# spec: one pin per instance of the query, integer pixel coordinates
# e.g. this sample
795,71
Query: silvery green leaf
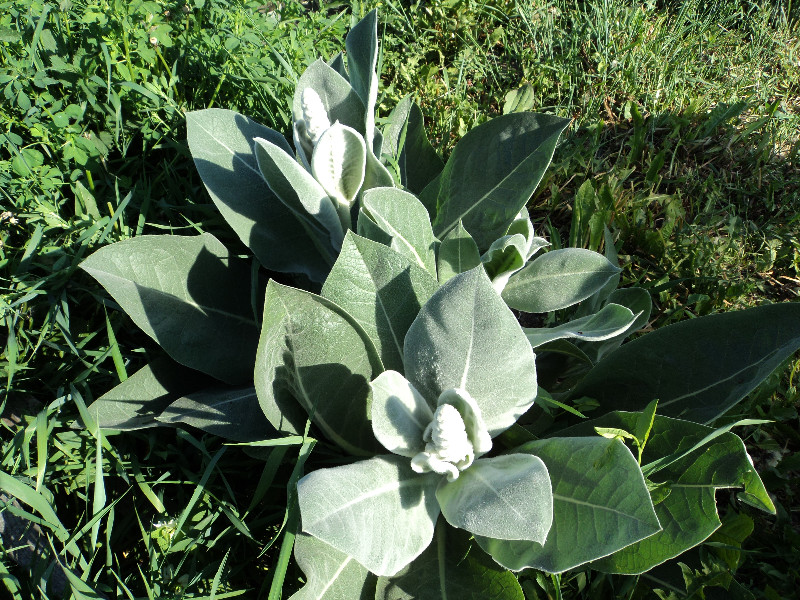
229,412
558,279
367,228
362,58
698,369
315,361
600,505
381,290
406,142
505,256
492,173
458,252
405,221
339,162
330,574
188,294
466,337
638,301
337,64
339,98
399,414
298,190
523,225
221,142
451,567
611,321
136,402
376,175
378,511
506,497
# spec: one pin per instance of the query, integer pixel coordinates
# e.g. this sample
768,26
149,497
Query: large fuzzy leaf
136,402
362,59
404,140
315,360
492,173
450,568
301,193
340,100
381,290
558,279
378,511
399,414
189,295
404,220
330,574
229,412
458,252
339,162
221,142
697,369
600,504
466,337
507,497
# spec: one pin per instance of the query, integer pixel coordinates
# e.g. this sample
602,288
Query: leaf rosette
438,422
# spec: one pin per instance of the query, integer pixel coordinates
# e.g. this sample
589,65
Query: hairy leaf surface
466,337
188,294
381,290
378,511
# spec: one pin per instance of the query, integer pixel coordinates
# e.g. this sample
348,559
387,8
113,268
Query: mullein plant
463,457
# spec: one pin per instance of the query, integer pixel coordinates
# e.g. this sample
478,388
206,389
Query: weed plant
684,142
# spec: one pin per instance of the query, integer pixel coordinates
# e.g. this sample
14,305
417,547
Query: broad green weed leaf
362,59
136,402
466,337
399,414
221,142
458,252
558,279
600,504
492,173
189,295
314,360
378,511
406,223
506,497
450,568
406,142
697,369
687,513
330,574
381,290
231,413
611,321
307,200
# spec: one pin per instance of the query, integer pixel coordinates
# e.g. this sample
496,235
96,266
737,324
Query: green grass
684,143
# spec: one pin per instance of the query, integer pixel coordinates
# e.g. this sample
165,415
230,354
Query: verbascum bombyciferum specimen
396,345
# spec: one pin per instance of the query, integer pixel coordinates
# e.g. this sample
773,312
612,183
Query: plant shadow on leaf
398,287
340,409
261,220
219,306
